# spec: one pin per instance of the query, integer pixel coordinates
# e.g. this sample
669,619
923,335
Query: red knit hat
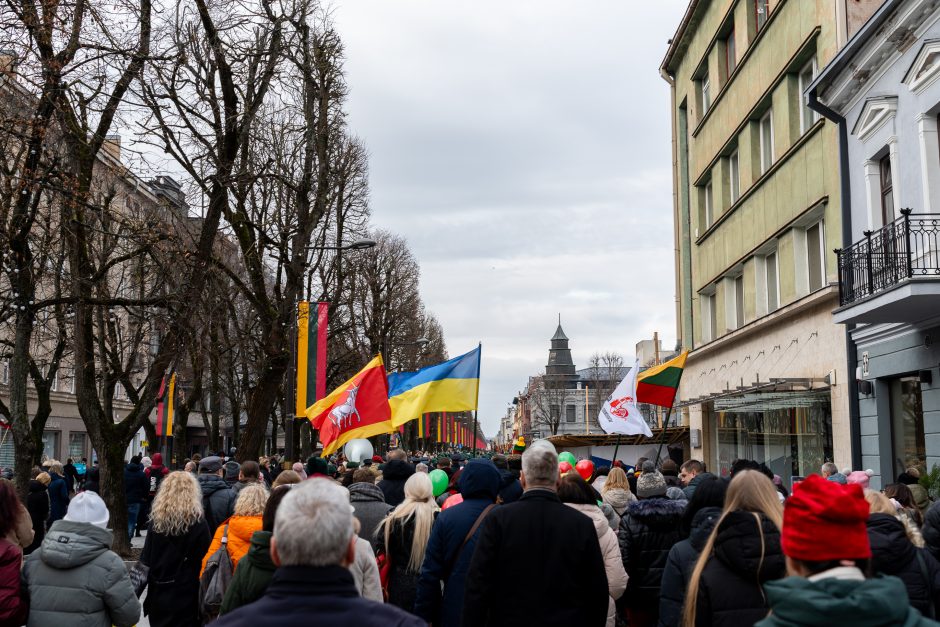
824,520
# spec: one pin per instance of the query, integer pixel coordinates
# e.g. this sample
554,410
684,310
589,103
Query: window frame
731,53
708,209
739,314
808,117
886,189
758,23
772,279
820,224
709,316
705,89
734,176
766,152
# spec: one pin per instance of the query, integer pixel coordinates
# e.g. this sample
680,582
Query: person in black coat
395,473
445,561
218,498
37,504
680,563
540,550
931,530
893,553
509,487
93,479
136,491
58,494
71,475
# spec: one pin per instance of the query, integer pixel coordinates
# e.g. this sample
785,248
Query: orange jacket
240,529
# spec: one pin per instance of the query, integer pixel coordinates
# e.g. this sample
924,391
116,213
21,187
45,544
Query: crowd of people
496,540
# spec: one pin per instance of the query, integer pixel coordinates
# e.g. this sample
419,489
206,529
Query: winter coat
21,534
37,504
894,554
14,603
921,498
75,579
402,583
394,475
240,530
875,602
136,485
365,572
481,483
156,473
679,566
536,548
252,576
173,585
610,549
369,507
931,530
697,479
217,498
324,594
744,557
648,530
92,480
70,474
509,487
618,499
58,498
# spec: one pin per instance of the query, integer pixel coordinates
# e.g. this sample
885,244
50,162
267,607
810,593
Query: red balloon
585,468
564,467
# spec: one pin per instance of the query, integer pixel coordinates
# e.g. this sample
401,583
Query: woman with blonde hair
286,477
404,534
177,538
238,529
616,492
742,553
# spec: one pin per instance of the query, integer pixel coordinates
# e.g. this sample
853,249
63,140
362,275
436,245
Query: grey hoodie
75,579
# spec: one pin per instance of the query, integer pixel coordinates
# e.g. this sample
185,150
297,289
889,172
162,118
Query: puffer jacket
648,530
610,549
892,553
252,578
37,503
136,484
681,563
745,556
75,579
365,572
697,479
931,530
14,605
240,530
618,499
394,475
219,497
58,498
369,507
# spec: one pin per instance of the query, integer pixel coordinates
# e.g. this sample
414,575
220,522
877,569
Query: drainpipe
845,193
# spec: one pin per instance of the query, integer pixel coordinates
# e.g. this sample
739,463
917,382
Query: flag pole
616,448
662,439
476,405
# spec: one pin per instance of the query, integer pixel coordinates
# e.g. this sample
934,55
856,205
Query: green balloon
439,481
568,457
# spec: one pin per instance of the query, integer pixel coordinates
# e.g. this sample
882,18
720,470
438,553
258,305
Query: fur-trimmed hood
656,511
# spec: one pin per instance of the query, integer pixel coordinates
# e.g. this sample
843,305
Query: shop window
571,413
816,256
50,444
907,423
76,445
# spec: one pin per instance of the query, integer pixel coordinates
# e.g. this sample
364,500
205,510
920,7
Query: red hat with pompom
824,520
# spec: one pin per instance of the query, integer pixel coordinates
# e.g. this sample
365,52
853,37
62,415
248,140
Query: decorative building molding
926,67
875,114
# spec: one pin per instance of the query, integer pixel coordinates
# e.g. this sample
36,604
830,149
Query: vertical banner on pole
170,398
160,407
311,355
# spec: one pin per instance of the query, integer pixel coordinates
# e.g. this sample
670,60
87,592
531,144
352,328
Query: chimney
112,146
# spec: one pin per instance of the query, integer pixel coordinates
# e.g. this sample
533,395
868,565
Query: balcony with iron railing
893,275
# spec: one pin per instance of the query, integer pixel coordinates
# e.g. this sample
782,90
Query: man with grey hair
537,548
314,543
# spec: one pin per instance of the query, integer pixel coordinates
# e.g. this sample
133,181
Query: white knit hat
88,507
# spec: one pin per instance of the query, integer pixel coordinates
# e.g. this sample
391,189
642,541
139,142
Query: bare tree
546,396
605,370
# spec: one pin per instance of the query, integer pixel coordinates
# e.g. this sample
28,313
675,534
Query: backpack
156,480
215,580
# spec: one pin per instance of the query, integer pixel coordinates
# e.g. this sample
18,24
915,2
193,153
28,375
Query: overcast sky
522,148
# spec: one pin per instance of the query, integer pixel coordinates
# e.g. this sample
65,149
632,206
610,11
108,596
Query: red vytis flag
356,409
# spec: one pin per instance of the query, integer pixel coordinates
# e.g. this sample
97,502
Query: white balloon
358,450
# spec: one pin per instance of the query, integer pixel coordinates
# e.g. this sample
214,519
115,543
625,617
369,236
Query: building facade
883,92
757,213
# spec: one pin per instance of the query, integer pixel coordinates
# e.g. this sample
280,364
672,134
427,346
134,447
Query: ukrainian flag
451,386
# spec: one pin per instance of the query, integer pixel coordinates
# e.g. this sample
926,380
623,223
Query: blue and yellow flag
451,386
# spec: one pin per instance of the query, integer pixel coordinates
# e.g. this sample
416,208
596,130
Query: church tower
560,364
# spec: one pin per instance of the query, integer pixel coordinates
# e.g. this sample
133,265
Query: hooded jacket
172,598
240,531
92,479
931,530
252,578
37,504
479,483
679,566
394,475
369,507
648,530
875,602
75,579
509,487
618,499
58,498
14,604
136,486
219,498
155,474
613,565
892,553
697,479
746,555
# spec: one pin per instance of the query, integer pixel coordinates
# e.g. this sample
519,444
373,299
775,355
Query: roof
618,374
677,44
559,334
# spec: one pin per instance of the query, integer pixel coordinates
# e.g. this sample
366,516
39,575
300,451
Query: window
709,320
887,189
554,411
706,94
815,256
907,422
709,210
766,141
761,12
54,382
739,301
773,281
734,177
50,444
4,372
730,54
808,117
571,413
76,445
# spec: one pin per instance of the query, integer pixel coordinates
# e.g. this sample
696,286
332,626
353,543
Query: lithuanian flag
311,355
658,385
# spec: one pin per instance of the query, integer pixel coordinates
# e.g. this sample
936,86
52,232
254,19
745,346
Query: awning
673,435
762,388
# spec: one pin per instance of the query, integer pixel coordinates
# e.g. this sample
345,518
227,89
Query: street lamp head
360,244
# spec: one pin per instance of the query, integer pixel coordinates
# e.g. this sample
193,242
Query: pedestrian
692,473
648,530
14,603
826,544
312,578
861,477
74,577
365,570
177,538
616,493
136,491
218,499
92,479
230,472
37,504
395,473
670,471
286,477
904,501
911,478
316,467
510,490
830,472
58,493
403,536
442,581
741,554
894,552
238,529
536,548
255,569
368,501
577,494
70,473
698,520
264,464
249,473
15,517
